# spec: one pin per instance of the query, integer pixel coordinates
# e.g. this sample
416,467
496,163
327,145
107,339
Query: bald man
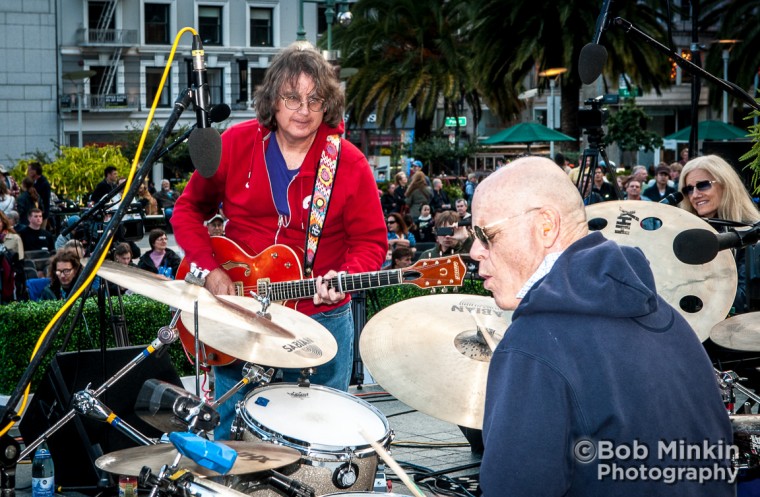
598,382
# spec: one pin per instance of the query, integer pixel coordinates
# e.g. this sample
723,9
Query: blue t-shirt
279,176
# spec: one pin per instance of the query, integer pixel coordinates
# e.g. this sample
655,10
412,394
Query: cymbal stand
251,374
87,405
728,381
165,336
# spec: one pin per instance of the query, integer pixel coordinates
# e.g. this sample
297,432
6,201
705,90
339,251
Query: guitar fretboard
293,290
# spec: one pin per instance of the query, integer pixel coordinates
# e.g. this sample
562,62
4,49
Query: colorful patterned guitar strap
320,199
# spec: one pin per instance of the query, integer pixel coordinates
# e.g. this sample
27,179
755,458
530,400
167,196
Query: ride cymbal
428,352
740,332
183,296
252,457
311,343
702,293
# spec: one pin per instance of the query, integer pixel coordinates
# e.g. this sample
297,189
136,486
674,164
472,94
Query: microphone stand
687,65
7,413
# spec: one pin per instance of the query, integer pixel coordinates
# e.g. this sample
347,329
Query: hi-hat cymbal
183,295
427,352
740,332
703,293
312,344
252,457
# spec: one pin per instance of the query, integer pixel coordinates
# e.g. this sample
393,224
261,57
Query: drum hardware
251,374
346,475
304,379
196,275
728,382
438,358
86,404
161,341
291,487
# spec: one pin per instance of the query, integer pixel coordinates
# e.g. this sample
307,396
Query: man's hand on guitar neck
219,283
325,294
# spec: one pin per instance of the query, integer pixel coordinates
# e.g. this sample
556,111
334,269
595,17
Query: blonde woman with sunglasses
713,190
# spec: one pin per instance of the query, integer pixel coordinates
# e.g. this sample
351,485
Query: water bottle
168,273
43,473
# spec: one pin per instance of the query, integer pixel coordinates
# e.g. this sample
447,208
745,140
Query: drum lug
346,475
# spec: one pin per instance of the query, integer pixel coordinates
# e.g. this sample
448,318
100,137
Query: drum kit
430,352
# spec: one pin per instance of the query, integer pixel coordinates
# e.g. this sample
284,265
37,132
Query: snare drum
322,424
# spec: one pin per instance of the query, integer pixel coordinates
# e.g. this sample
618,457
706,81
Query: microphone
698,246
204,144
289,486
171,408
593,55
672,199
219,113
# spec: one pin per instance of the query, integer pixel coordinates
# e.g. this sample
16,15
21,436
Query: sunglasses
702,186
485,234
390,222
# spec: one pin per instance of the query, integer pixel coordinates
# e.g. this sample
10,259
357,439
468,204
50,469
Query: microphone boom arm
687,65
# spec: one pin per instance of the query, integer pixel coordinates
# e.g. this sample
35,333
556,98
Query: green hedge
22,322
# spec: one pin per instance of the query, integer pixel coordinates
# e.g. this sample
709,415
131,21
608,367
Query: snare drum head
314,415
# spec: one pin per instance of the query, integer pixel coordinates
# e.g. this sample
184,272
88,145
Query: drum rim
309,448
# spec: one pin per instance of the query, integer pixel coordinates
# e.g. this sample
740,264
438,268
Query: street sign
451,122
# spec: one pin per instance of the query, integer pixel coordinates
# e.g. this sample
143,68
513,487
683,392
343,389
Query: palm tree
409,55
512,37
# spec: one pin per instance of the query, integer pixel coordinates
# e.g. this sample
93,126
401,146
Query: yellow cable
73,297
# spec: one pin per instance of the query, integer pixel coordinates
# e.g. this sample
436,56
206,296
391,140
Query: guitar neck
302,289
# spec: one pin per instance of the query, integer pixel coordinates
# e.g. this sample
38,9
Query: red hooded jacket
354,234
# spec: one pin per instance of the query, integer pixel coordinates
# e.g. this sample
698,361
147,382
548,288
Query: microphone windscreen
219,113
205,147
696,246
591,62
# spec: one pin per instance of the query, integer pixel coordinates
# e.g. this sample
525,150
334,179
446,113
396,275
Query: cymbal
740,332
311,345
427,352
252,457
182,295
703,294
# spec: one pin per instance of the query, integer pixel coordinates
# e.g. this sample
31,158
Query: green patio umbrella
710,130
527,133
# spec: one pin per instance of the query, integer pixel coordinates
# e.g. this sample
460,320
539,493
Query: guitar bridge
239,289
262,286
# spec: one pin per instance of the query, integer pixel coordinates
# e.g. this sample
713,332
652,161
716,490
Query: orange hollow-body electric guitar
276,273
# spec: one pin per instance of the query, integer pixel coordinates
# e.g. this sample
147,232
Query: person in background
166,198
399,192
713,190
7,201
34,236
450,238
440,201
9,238
27,200
573,340
110,180
215,225
42,186
160,259
661,188
265,182
633,190
469,186
684,156
417,194
401,257
388,199
123,254
675,173
398,234
425,225
10,182
461,206
63,271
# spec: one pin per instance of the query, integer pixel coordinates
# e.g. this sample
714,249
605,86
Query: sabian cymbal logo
300,343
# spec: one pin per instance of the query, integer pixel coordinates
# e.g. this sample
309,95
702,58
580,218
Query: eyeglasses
64,272
482,233
294,103
702,186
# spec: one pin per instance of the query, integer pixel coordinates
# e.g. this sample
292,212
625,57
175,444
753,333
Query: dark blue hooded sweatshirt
595,359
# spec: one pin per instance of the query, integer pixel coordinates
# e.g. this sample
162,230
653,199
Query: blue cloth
335,374
279,176
409,236
593,354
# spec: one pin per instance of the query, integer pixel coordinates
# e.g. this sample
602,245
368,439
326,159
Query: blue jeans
335,374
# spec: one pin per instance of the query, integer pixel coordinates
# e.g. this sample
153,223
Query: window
243,80
157,23
210,25
98,81
261,27
96,11
152,79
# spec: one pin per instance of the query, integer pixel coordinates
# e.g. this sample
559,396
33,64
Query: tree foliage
176,162
76,171
627,128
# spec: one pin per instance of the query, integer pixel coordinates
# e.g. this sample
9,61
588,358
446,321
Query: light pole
344,17
728,45
78,78
552,74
